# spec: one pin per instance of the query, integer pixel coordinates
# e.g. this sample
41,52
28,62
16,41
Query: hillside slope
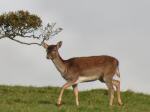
31,99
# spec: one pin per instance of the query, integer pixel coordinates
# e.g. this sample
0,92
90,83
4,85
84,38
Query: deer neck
59,63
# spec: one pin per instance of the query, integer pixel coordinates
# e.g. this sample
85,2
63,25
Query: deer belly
87,78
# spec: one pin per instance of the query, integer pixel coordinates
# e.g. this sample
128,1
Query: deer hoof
60,104
120,103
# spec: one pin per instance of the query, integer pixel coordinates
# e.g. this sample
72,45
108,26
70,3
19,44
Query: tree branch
2,37
43,34
24,42
29,36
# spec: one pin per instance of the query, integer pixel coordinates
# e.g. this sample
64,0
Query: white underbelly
87,78
116,77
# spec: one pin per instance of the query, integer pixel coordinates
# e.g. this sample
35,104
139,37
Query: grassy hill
31,99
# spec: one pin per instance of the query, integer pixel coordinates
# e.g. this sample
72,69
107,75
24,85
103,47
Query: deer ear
45,45
59,44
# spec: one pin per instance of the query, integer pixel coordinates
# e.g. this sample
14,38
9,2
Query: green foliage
23,24
19,20
31,99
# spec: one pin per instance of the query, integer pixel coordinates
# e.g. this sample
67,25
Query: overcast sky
120,28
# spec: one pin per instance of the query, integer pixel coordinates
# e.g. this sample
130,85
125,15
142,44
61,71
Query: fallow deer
85,69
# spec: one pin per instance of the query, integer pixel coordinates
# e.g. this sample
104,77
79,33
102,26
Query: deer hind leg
109,84
75,90
65,86
116,83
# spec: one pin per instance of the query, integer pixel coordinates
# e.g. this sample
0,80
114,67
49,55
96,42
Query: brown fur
107,65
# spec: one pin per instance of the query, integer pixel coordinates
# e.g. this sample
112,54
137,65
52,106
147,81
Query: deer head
52,50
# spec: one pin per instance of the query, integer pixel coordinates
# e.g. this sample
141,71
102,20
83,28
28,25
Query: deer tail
117,72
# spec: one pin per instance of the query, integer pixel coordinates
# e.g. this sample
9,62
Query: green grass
31,99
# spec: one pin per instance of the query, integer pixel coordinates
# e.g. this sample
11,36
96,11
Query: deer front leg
75,90
65,86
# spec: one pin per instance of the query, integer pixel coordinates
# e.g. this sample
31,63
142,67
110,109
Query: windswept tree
22,24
